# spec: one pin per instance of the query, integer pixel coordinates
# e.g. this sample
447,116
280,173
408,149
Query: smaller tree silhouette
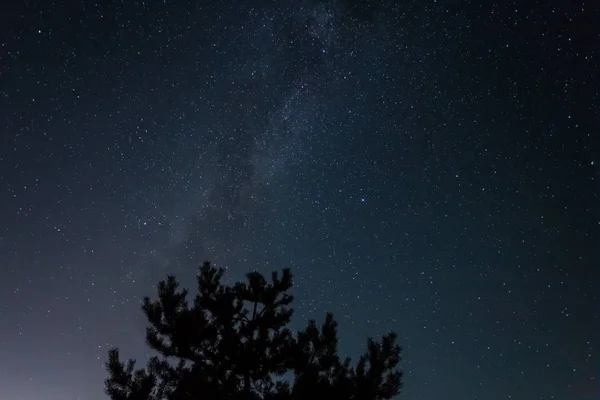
233,342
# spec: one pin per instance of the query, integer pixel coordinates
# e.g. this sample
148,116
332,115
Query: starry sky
428,167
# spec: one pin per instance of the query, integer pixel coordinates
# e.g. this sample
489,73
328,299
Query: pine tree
233,342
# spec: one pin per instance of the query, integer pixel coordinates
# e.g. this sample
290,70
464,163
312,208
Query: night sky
428,167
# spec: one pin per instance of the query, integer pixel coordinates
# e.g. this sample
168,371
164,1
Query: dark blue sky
425,167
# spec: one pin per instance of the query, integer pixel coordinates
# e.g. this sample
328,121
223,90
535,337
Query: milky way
424,167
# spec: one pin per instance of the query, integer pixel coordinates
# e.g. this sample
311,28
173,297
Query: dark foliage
233,343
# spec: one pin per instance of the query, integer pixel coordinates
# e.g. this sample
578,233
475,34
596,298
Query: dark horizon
428,167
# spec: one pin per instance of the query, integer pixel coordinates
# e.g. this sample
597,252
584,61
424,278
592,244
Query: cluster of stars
423,168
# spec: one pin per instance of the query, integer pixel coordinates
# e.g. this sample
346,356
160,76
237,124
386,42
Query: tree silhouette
233,343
